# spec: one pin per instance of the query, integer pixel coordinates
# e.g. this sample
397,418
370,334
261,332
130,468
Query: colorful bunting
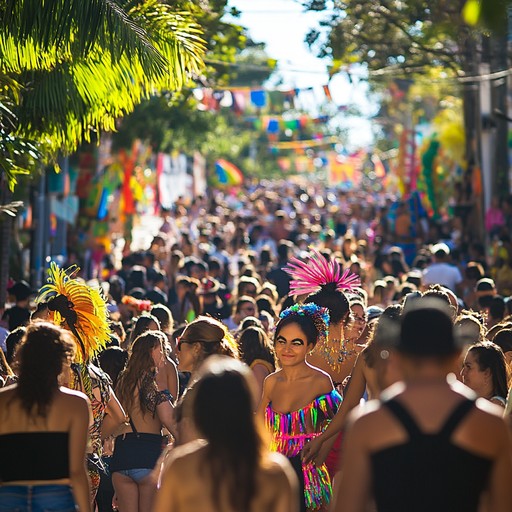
304,144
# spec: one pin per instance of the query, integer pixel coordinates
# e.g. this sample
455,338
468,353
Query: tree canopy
70,68
392,35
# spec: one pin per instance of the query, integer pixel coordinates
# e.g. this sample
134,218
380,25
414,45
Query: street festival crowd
288,348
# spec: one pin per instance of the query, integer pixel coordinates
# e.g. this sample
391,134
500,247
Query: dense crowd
223,367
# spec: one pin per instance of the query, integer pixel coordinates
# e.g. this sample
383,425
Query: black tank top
428,473
34,456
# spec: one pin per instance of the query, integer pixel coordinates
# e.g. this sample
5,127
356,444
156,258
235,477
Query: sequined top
290,431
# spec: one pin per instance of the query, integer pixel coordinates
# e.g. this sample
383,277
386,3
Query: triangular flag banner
258,98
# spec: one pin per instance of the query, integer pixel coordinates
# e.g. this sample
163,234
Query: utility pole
500,185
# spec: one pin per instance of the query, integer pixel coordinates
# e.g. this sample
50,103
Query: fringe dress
291,431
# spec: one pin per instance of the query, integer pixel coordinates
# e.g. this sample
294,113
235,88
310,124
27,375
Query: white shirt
443,274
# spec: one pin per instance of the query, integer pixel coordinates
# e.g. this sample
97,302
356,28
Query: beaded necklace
336,352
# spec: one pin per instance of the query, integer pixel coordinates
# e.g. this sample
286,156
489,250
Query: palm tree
82,65
72,67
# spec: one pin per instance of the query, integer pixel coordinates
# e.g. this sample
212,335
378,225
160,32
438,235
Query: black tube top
34,456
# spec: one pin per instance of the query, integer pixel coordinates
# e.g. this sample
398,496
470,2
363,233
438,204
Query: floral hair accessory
311,276
319,315
139,304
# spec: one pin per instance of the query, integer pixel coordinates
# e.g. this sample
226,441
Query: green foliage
393,34
489,14
81,65
173,121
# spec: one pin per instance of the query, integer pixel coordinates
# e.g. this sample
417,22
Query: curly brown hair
39,359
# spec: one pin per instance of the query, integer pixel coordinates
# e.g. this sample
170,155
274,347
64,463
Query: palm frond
84,24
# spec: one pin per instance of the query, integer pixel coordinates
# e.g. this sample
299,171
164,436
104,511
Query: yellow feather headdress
78,308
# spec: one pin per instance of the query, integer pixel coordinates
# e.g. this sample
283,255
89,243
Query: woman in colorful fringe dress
299,400
321,280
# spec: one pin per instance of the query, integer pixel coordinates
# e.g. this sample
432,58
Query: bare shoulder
71,398
365,420
278,466
321,380
180,456
188,449
489,409
270,380
366,414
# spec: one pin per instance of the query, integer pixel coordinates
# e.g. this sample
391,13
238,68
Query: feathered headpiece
319,315
310,276
77,307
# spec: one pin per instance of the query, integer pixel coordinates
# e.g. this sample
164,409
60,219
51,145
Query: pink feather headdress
310,276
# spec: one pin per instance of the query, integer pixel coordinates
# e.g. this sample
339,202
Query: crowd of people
291,349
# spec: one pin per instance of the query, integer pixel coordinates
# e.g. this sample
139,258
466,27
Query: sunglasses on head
180,341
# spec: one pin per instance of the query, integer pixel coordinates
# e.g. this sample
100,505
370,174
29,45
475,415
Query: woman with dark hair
167,373
324,284
187,306
363,379
113,361
149,409
143,323
43,429
256,351
228,469
485,372
357,322
12,341
299,400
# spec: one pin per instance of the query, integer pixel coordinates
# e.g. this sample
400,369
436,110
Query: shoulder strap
132,425
455,418
404,417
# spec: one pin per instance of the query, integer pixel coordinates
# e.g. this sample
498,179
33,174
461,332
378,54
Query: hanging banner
173,180
304,144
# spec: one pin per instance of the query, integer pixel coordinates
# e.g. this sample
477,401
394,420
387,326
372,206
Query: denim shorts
36,498
137,475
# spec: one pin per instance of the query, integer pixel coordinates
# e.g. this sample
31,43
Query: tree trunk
473,130
499,62
5,237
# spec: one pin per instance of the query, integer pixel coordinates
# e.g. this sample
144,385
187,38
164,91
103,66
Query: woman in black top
43,429
429,444
149,409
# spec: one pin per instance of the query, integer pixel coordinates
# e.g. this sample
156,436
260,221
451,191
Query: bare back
69,412
482,432
187,485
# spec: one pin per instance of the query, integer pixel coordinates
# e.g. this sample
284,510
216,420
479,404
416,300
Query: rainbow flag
228,173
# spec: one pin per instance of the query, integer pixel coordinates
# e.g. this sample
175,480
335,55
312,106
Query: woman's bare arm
500,490
352,398
115,416
79,410
352,491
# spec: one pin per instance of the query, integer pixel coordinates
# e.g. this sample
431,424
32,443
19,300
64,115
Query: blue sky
282,25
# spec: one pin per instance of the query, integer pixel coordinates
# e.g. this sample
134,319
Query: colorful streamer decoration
228,173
